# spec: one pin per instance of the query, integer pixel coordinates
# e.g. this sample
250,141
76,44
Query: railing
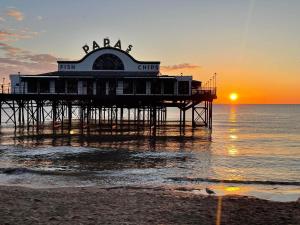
205,91
208,88
211,83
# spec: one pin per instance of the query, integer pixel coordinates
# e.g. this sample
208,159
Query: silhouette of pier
105,112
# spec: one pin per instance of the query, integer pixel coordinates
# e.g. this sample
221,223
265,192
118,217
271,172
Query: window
183,87
101,87
127,87
108,62
112,87
31,86
88,86
72,86
168,87
155,87
44,86
60,86
140,87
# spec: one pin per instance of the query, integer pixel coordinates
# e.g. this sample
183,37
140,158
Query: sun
233,96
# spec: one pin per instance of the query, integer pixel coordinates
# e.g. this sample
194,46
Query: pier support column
14,112
62,117
0,112
69,115
154,121
193,117
210,114
183,118
54,114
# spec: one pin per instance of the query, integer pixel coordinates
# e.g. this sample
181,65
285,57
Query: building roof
93,74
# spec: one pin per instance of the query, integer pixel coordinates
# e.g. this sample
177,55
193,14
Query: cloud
39,18
15,36
180,67
11,51
16,14
2,19
5,36
20,60
41,58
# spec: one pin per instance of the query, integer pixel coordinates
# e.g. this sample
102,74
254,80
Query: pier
110,113
107,89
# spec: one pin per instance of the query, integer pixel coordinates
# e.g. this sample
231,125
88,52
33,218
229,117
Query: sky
252,45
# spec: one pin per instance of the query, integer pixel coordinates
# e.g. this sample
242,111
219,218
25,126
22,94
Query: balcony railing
205,91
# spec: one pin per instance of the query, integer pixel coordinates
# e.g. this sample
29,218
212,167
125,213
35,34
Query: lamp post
2,86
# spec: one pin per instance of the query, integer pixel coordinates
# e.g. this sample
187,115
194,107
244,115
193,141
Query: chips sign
106,43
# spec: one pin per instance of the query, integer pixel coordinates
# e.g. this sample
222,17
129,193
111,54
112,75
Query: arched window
108,62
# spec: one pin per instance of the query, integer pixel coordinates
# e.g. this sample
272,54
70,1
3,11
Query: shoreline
137,205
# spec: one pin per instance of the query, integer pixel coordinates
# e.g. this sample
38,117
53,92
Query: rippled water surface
253,149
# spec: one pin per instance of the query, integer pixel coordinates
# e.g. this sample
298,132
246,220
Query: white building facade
105,72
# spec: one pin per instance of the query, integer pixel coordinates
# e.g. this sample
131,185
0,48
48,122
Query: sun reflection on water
232,189
236,190
232,130
232,151
233,136
223,189
233,114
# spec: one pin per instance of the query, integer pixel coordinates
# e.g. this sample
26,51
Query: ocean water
252,150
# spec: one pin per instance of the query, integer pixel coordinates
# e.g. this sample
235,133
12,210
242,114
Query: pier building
102,87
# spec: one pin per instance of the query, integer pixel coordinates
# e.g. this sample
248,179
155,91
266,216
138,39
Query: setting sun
233,96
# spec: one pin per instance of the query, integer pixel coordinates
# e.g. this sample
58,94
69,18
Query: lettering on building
148,67
106,43
67,67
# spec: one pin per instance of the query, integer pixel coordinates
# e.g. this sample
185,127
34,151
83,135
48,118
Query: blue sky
240,40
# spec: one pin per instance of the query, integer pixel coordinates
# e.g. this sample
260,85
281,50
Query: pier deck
34,110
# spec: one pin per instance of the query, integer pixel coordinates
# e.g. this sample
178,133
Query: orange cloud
19,60
12,36
5,36
11,51
16,14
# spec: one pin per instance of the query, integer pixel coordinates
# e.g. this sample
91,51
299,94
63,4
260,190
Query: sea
252,150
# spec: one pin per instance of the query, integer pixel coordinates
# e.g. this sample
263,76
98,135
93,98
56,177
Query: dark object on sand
210,192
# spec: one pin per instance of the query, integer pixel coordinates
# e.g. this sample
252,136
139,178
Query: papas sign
130,64
106,43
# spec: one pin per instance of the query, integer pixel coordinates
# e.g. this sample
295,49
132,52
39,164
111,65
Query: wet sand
130,205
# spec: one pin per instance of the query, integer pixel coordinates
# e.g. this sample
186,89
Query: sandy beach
131,205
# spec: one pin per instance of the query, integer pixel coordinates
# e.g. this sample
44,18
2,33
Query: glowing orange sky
261,85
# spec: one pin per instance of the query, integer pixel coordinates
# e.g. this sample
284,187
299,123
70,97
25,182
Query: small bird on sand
210,192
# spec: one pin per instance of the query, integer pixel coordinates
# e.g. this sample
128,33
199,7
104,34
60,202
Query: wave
210,180
18,171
